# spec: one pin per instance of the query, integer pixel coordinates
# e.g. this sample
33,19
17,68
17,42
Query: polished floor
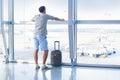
20,71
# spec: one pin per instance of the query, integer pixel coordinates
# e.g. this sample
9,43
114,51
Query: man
40,35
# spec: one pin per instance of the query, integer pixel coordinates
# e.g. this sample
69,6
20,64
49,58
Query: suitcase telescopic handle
55,45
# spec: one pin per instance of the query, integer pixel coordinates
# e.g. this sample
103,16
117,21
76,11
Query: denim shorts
40,42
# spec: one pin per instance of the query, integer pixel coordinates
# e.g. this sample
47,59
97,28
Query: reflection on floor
19,71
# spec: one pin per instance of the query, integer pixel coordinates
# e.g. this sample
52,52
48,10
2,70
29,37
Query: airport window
98,43
3,16
23,29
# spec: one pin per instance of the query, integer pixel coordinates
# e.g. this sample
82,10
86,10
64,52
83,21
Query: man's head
42,9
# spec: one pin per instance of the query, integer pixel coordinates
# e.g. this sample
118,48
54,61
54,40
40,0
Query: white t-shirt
41,23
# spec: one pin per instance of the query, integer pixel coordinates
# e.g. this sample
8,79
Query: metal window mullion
75,28
11,28
70,8
98,21
72,29
1,15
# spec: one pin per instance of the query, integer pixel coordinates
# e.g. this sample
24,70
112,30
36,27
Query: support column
11,28
72,16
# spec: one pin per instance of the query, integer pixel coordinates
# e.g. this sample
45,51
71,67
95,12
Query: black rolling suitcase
56,55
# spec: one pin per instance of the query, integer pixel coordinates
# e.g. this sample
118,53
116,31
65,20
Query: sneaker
37,67
44,67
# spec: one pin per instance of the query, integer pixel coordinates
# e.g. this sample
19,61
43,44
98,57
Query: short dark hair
42,9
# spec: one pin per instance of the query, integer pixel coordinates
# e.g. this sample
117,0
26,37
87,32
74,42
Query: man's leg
44,46
36,56
45,55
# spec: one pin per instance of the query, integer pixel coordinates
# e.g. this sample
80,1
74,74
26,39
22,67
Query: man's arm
58,19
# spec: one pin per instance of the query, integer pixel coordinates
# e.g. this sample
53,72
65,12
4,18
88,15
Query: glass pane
98,9
5,10
24,47
24,31
98,44
5,18
2,48
26,9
